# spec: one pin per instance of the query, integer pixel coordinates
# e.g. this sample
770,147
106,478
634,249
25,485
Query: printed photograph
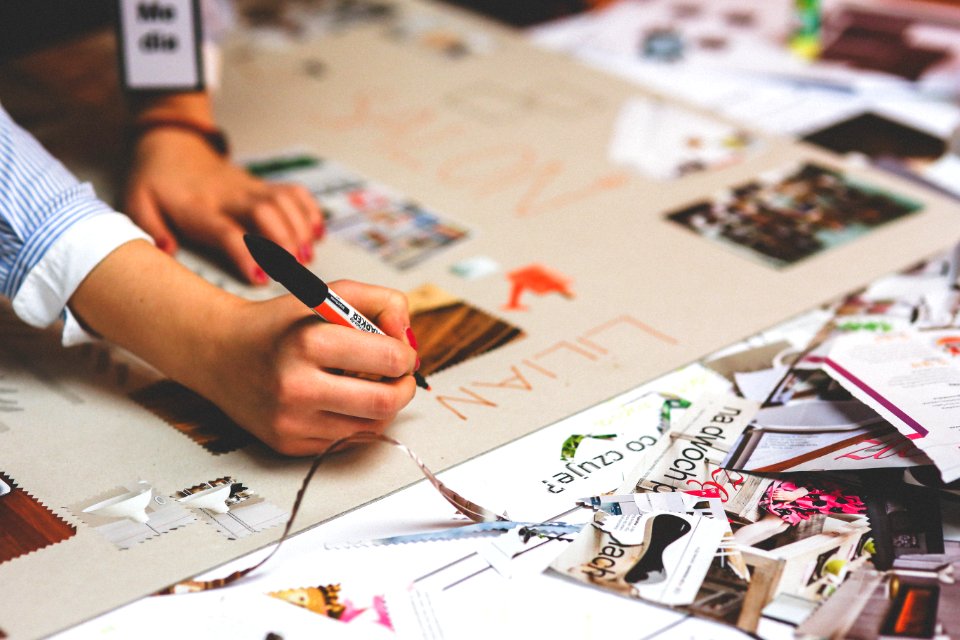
132,513
664,142
447,38
26,525
888,144
193,415
880,139
328,600
372,217
287,23
882,42
785,218
450,331
231,507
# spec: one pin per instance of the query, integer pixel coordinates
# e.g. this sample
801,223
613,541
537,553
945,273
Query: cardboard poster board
509,142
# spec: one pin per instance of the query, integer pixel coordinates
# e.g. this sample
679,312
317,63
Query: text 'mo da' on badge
159,45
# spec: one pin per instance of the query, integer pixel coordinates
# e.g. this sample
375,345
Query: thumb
143,210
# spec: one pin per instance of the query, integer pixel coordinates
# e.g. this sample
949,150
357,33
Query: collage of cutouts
133,513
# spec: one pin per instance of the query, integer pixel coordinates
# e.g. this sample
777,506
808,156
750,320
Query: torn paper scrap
914,385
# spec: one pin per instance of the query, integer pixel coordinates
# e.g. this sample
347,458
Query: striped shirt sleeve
53,230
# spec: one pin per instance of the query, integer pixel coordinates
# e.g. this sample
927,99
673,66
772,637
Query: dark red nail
306,253
163,244
259,276
412,339
416,366
319,230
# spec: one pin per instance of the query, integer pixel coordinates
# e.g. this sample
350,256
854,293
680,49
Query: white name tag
160,45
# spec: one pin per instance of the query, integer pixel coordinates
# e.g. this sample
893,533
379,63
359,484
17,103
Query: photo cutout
883,42
370,216
193,415
446,37
132,513
536,279
889,144
664,142
328,600
450,331
782,218
26,525
287,23
231,508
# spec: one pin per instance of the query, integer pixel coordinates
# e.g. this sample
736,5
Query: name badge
160,45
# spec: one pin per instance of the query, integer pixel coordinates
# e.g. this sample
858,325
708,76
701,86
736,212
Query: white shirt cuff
43,296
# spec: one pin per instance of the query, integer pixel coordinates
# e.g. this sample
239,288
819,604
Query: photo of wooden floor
450,331
193,415
25,524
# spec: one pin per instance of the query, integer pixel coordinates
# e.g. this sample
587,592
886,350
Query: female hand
179,186
273,367
298,383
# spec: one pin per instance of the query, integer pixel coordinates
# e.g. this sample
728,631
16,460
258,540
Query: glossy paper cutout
232,508
536,279
787,216
194,416
26,525
132,514
450,331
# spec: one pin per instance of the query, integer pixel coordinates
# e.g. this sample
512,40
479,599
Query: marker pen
309,289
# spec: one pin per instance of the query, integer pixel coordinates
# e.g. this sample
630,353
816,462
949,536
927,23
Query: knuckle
198,202
283,437
311,340
397,300
262,209
384,404
395,361
289,391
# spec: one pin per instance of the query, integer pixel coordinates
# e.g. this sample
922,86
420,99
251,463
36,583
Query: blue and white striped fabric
53,230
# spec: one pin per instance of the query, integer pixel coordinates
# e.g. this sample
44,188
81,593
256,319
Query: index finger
387,308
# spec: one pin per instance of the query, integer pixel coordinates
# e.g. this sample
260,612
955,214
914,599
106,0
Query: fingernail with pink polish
416,366
412,339
306,253
318,230
259,276
163,244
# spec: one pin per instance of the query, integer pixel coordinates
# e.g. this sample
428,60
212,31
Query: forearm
144,301
268,365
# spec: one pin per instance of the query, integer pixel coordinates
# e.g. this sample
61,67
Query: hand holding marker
309,289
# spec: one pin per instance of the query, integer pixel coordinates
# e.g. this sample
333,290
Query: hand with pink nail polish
179,187
294,382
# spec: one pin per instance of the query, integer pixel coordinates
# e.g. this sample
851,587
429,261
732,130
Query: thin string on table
471,510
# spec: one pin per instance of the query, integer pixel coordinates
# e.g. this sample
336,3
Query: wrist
212,136
192,106
212,336
188,112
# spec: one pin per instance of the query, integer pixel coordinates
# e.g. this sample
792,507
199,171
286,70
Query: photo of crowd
792,216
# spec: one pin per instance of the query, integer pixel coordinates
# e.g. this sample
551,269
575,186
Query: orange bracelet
212,136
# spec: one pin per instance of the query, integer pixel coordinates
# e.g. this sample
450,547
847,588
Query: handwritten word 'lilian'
541,368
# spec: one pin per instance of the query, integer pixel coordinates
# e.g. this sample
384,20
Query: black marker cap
284,268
